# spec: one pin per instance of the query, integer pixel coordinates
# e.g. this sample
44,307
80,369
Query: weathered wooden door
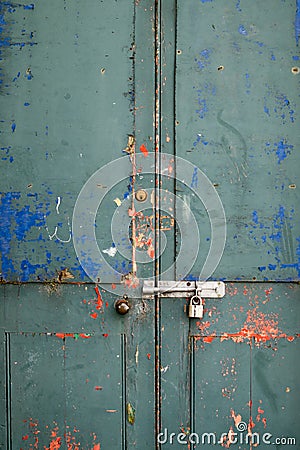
129,130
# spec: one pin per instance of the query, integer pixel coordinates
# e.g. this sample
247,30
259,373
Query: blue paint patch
13,127
194,183
6,217
203,109
27,219
242,30
92,267
297,22
18,76
296,58
26,104
248,83
203,60
48,256
206,90
255,217
29,269
274,238
237,6
282,150
31,6
200,139
206,1
5,42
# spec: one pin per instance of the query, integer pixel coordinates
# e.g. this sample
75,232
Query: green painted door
129,130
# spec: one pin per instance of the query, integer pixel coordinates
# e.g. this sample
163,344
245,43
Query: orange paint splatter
149,355
264,421
113,286
144,150
96,447
54,445
236,417
94,315
260,410
84,336
99,302
151,252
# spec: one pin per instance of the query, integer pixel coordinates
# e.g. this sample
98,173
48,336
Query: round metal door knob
141,195
122,306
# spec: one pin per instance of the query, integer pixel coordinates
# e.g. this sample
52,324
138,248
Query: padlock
196,308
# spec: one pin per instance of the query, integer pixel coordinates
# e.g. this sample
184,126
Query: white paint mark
117,201
186,206
164,369
54,235
58,204
110,251
137,355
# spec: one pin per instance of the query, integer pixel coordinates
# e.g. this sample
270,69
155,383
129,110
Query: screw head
141,195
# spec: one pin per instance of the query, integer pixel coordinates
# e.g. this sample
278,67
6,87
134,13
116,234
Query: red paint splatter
96,447
98,388
113,286
106,304
99,302
94,315
251,425
203,326
264,421
84,301
209,339
64,335
105,335
260,410
144,150
149,355
24,438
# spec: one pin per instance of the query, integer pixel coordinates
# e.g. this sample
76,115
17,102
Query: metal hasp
207,289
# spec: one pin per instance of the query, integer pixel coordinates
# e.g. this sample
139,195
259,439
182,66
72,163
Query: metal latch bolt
195,290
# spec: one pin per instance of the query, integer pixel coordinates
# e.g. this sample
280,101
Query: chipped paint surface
68,438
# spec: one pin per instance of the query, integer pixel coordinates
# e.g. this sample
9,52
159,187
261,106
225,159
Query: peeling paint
57,439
